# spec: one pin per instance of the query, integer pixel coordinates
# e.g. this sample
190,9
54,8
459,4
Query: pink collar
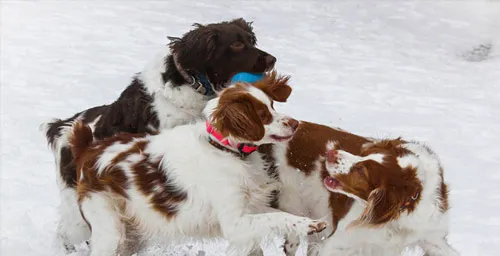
219,141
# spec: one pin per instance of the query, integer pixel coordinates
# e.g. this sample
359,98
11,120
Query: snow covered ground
377,68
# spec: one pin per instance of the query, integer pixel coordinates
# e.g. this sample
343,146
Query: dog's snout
292,123
332,156
270,61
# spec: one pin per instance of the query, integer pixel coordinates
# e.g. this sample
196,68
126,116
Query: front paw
317,226
308,226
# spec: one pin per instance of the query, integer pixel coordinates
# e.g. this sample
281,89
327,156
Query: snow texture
426,70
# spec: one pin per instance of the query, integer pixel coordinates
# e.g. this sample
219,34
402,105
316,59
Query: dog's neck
173,102
199,81
217,140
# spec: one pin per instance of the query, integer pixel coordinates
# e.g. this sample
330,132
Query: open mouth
280,138
331,183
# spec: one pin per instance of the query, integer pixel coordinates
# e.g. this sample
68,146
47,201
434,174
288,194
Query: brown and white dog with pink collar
380,196
191,180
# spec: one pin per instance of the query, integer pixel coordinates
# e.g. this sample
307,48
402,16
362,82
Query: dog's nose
270,61
332,156
292,123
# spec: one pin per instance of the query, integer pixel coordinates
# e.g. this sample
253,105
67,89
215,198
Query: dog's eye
237,46
264,115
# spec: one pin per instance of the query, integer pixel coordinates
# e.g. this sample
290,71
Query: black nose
270,61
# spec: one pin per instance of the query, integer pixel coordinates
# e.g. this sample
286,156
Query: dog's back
164,95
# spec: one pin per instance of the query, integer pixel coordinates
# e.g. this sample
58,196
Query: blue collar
202,84
198,81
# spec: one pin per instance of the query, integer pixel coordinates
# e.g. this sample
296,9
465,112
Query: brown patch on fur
113,179
241,115
275,86
309,144
131,113
149,176
339,204
443,193
391,147
151,180
203,50
86,152
80,139
388,189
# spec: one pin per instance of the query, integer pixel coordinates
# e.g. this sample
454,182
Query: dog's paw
317,226
306,226
291,245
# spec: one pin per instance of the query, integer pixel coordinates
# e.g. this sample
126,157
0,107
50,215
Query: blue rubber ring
246,77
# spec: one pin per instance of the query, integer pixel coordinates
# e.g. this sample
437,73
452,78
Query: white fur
226,196
426,226
303,195
346,160
306,195
173,105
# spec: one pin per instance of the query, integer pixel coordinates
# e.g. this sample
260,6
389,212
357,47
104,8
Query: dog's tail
80,139
52,131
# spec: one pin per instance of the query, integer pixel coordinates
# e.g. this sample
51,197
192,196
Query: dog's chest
178,106
257,186
389,235
210,179
305,194
301,194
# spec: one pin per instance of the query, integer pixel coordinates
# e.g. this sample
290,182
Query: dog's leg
438,247
254,227
291,245
257,252
292,242
134,240
108,231
239,249
72,229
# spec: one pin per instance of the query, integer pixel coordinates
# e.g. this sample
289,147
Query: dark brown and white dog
380,196
189,180
172,90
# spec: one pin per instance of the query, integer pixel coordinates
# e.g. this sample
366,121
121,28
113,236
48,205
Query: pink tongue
331,182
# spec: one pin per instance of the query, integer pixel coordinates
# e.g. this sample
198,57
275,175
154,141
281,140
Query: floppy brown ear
275,86
380,209
238,119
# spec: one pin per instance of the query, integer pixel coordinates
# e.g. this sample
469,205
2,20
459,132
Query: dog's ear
275,86
196,48
235,115
381,207
247,26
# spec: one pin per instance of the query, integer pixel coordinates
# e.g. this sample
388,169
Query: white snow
377,68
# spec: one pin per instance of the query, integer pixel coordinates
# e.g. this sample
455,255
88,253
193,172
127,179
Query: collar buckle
199,82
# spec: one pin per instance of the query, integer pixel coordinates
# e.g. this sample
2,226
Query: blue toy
247,77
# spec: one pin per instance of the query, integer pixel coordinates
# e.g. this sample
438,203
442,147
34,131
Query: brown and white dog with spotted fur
171,90
190,180
380,196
